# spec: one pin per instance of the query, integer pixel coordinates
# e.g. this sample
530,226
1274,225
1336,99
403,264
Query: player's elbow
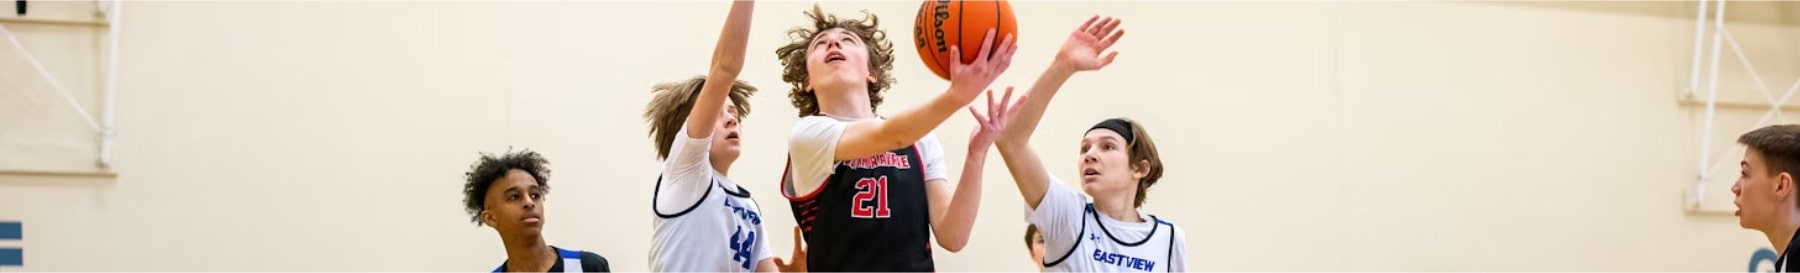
953,247
953,243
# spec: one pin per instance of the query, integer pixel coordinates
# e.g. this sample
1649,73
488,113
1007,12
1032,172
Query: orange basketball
942,24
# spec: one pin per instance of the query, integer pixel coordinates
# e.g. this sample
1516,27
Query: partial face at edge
1037,250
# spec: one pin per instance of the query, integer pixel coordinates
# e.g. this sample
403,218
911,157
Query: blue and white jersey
570,260
704,222
1077,238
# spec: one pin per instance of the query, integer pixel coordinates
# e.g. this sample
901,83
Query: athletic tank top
721,232
571,260
1097,250
871,214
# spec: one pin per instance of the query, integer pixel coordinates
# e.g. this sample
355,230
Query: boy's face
836,59
725,142
1105,166
1760,194
515,205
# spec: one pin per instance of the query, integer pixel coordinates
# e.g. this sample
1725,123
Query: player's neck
853,103
1783,232
1779,240
529,255
1118,209
723,167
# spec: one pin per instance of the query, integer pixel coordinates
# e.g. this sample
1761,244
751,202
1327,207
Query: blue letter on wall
12,256
1761,254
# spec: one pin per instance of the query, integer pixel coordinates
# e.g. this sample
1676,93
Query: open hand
1082,52
799,256
977,75
990,125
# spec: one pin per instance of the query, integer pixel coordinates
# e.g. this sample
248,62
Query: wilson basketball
942,24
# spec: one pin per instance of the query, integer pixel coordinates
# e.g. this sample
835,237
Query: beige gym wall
1300,136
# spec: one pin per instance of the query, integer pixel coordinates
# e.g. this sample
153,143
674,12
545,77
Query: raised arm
727,62
953,212
874,136
1082,52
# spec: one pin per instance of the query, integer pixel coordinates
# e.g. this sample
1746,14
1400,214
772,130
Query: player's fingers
987,45
1111,24
1089,23
1111,38
980,120
990,99
957,64
1006,57
798,239
1005,102
1010,111
1098,24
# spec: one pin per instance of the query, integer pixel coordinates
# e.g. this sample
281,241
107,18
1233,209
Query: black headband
1117,125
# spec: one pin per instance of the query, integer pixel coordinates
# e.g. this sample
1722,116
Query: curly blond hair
793,56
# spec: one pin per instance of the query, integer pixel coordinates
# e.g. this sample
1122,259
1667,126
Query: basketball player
871,192
1765,193
1034,242
705,222
1119,162
507,193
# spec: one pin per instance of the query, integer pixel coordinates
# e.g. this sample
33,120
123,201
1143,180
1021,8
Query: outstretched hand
1082,52
799,256
989,126
977,75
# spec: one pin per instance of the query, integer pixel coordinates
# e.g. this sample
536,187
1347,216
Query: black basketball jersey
871,214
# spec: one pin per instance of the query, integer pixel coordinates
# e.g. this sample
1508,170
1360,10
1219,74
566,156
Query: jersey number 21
870,189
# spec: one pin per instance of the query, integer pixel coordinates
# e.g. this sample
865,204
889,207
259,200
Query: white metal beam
113,15
1712,98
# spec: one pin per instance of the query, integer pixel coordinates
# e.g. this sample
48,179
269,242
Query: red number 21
870,189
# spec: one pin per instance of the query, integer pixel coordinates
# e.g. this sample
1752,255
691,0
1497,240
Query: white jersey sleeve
687,173
932,151
1058,217
811,150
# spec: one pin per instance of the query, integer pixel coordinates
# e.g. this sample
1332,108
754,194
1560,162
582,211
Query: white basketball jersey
1100,249
720,233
